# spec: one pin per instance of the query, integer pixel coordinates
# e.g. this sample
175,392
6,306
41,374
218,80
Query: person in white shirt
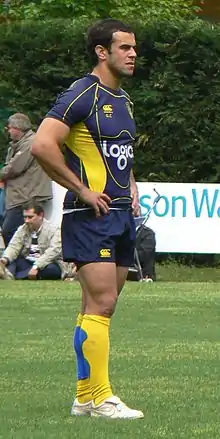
34,252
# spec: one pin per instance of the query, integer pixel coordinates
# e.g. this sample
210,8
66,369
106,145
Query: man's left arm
52,253
134,195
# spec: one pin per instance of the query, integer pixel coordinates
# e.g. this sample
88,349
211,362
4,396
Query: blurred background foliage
73,9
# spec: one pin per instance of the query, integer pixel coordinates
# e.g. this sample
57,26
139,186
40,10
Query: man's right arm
47,145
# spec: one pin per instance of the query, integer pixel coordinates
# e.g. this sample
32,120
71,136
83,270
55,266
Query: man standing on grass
94,120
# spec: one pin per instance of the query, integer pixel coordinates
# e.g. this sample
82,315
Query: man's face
32,219
14,133
122,55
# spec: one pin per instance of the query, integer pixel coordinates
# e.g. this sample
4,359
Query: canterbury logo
108,110
105,253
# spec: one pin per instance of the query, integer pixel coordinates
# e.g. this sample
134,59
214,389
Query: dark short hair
37,208
101,33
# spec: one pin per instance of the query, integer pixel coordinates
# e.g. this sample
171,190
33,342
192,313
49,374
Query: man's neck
38,228
19,137
106,77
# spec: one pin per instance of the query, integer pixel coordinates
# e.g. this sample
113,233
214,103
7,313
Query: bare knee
103,305
107,306
99,282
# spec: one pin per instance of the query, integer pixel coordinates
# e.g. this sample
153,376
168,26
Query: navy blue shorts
109,238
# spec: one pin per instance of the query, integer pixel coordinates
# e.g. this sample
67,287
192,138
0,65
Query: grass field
165,360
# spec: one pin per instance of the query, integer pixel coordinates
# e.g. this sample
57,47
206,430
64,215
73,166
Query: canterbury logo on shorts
105,253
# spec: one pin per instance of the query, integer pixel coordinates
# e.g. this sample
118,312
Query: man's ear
101,52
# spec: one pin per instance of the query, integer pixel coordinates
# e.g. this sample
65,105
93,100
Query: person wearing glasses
34,251
23,178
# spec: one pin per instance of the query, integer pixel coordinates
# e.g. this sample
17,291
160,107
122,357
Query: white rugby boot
114,408
79,409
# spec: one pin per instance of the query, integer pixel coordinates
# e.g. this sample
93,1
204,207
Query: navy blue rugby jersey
99,148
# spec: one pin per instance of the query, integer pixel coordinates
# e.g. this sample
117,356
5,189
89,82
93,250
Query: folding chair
135,272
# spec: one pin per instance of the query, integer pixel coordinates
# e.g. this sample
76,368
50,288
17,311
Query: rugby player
93,121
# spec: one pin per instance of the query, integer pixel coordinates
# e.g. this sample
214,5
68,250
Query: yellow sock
95,346
83,389
79,319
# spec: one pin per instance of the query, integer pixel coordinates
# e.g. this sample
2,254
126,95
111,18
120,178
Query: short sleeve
75,104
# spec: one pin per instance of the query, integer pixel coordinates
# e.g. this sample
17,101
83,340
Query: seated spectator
34,251
24,179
